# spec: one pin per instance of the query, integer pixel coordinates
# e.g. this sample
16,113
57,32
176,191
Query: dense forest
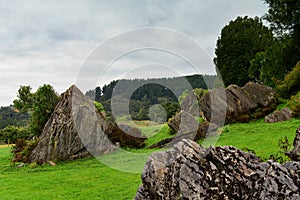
9,116
144,93
13,124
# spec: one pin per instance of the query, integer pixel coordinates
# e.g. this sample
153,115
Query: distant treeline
9,116
153,87
143,93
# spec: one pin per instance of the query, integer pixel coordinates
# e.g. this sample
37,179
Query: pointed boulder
74,130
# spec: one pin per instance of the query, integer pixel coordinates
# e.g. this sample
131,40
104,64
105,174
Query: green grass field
258,136
81,179
90,179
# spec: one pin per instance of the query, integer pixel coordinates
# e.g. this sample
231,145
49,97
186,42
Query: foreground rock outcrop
189,171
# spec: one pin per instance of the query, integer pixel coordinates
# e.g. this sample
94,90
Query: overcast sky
48,41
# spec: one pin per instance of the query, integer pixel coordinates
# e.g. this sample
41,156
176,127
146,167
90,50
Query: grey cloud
47,41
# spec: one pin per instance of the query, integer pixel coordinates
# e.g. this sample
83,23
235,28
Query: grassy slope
84,179
259,136
156,133
89,179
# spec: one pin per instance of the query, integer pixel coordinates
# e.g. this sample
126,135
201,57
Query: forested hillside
9,116
150,92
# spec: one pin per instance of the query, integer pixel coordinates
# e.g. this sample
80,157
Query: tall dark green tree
268,67
238,44
98,94
284,18
41,104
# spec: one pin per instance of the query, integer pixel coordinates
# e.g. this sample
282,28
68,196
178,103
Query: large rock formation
76,129
189,171
186,127
295,153
233,104
279,116
60,139
252,101
190,103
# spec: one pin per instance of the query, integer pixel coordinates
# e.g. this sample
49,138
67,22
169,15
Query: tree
25,98
90,94
98,94
284,18
238,44
11,134
41,104
107,90
9,116
171,109
268,67
44,102
256,65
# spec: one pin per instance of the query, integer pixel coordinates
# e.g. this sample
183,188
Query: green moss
99,106
294,104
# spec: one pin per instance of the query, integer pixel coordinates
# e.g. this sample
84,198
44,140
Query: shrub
291,83
283,145
183,96
99,106
199,92
11,134
294,104
282,103
171,108
22,150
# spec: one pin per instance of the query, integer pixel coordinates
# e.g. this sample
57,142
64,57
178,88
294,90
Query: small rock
279,116
51,163
20,165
